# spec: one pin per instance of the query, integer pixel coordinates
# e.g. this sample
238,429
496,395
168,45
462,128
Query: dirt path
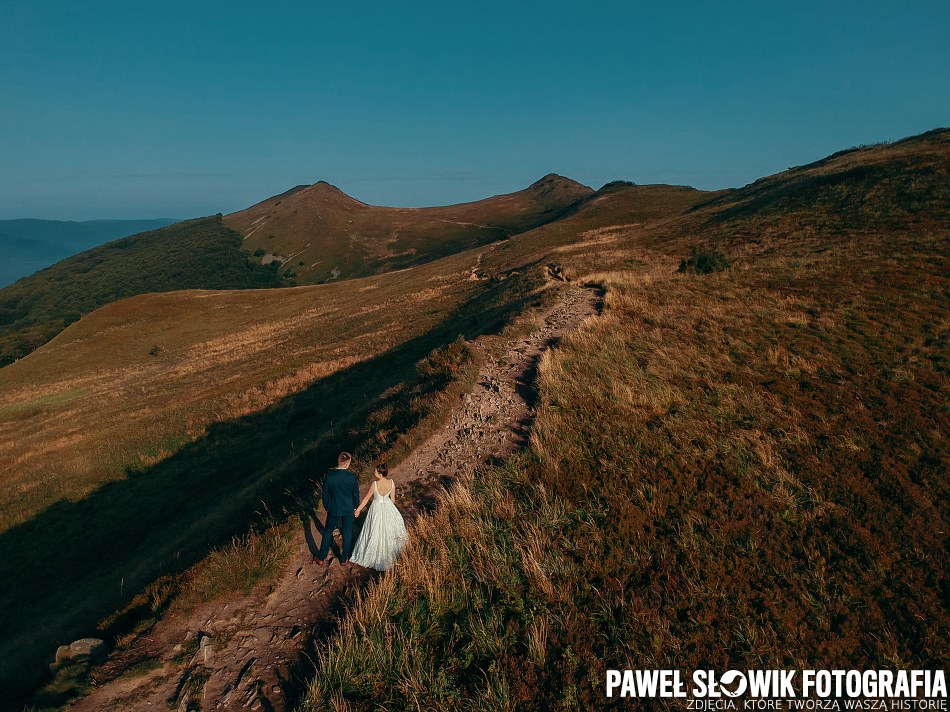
252,653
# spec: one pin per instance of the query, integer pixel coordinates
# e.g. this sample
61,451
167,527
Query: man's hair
344,459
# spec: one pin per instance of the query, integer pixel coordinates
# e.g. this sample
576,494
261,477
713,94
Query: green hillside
28,245
195,254
310,234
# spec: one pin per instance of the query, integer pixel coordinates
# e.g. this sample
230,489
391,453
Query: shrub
704,261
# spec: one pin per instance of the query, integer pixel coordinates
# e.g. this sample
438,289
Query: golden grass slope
128,461
741,470
139,378
707,417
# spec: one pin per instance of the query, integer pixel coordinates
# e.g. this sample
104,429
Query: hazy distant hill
321,233
29,245
194,254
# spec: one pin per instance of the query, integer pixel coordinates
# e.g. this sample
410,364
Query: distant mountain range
308,235
29,245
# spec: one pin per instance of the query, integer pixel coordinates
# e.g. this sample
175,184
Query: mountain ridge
320,233
36,307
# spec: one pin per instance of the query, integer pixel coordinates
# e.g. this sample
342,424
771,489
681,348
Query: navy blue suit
341,496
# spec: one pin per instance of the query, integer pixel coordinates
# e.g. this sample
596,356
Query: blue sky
128,110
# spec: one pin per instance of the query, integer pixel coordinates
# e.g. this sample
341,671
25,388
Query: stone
87,650
62,656
205,649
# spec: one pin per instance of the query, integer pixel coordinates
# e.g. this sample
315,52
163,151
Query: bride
384,532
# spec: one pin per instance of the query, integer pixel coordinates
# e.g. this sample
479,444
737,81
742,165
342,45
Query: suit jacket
341,493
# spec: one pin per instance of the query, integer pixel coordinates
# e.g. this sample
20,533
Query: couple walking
384,532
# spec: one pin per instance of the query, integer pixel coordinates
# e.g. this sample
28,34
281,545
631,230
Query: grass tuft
236,567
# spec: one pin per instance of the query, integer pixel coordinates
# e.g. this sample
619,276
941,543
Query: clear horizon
117,112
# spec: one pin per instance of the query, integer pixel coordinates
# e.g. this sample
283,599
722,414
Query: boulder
90,650
62,656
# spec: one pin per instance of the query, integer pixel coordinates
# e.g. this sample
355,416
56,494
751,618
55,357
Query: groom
341,497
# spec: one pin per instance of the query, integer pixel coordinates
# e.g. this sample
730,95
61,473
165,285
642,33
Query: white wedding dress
383,535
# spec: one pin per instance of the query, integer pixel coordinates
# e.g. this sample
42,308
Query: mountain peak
324,185
559,188
555,179
328,191
320,189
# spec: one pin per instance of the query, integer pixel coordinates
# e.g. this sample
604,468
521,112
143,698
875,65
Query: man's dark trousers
345,525
341,495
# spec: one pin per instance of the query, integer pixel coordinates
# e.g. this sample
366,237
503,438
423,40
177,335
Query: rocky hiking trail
255,652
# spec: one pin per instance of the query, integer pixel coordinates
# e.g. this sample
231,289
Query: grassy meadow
122,462
150,432
740,469
244,566
152,373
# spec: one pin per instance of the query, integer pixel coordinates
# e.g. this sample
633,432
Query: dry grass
444,589
223,355
236,567
119,465
745,469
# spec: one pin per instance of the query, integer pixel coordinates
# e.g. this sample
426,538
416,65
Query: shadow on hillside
838,197
76,562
